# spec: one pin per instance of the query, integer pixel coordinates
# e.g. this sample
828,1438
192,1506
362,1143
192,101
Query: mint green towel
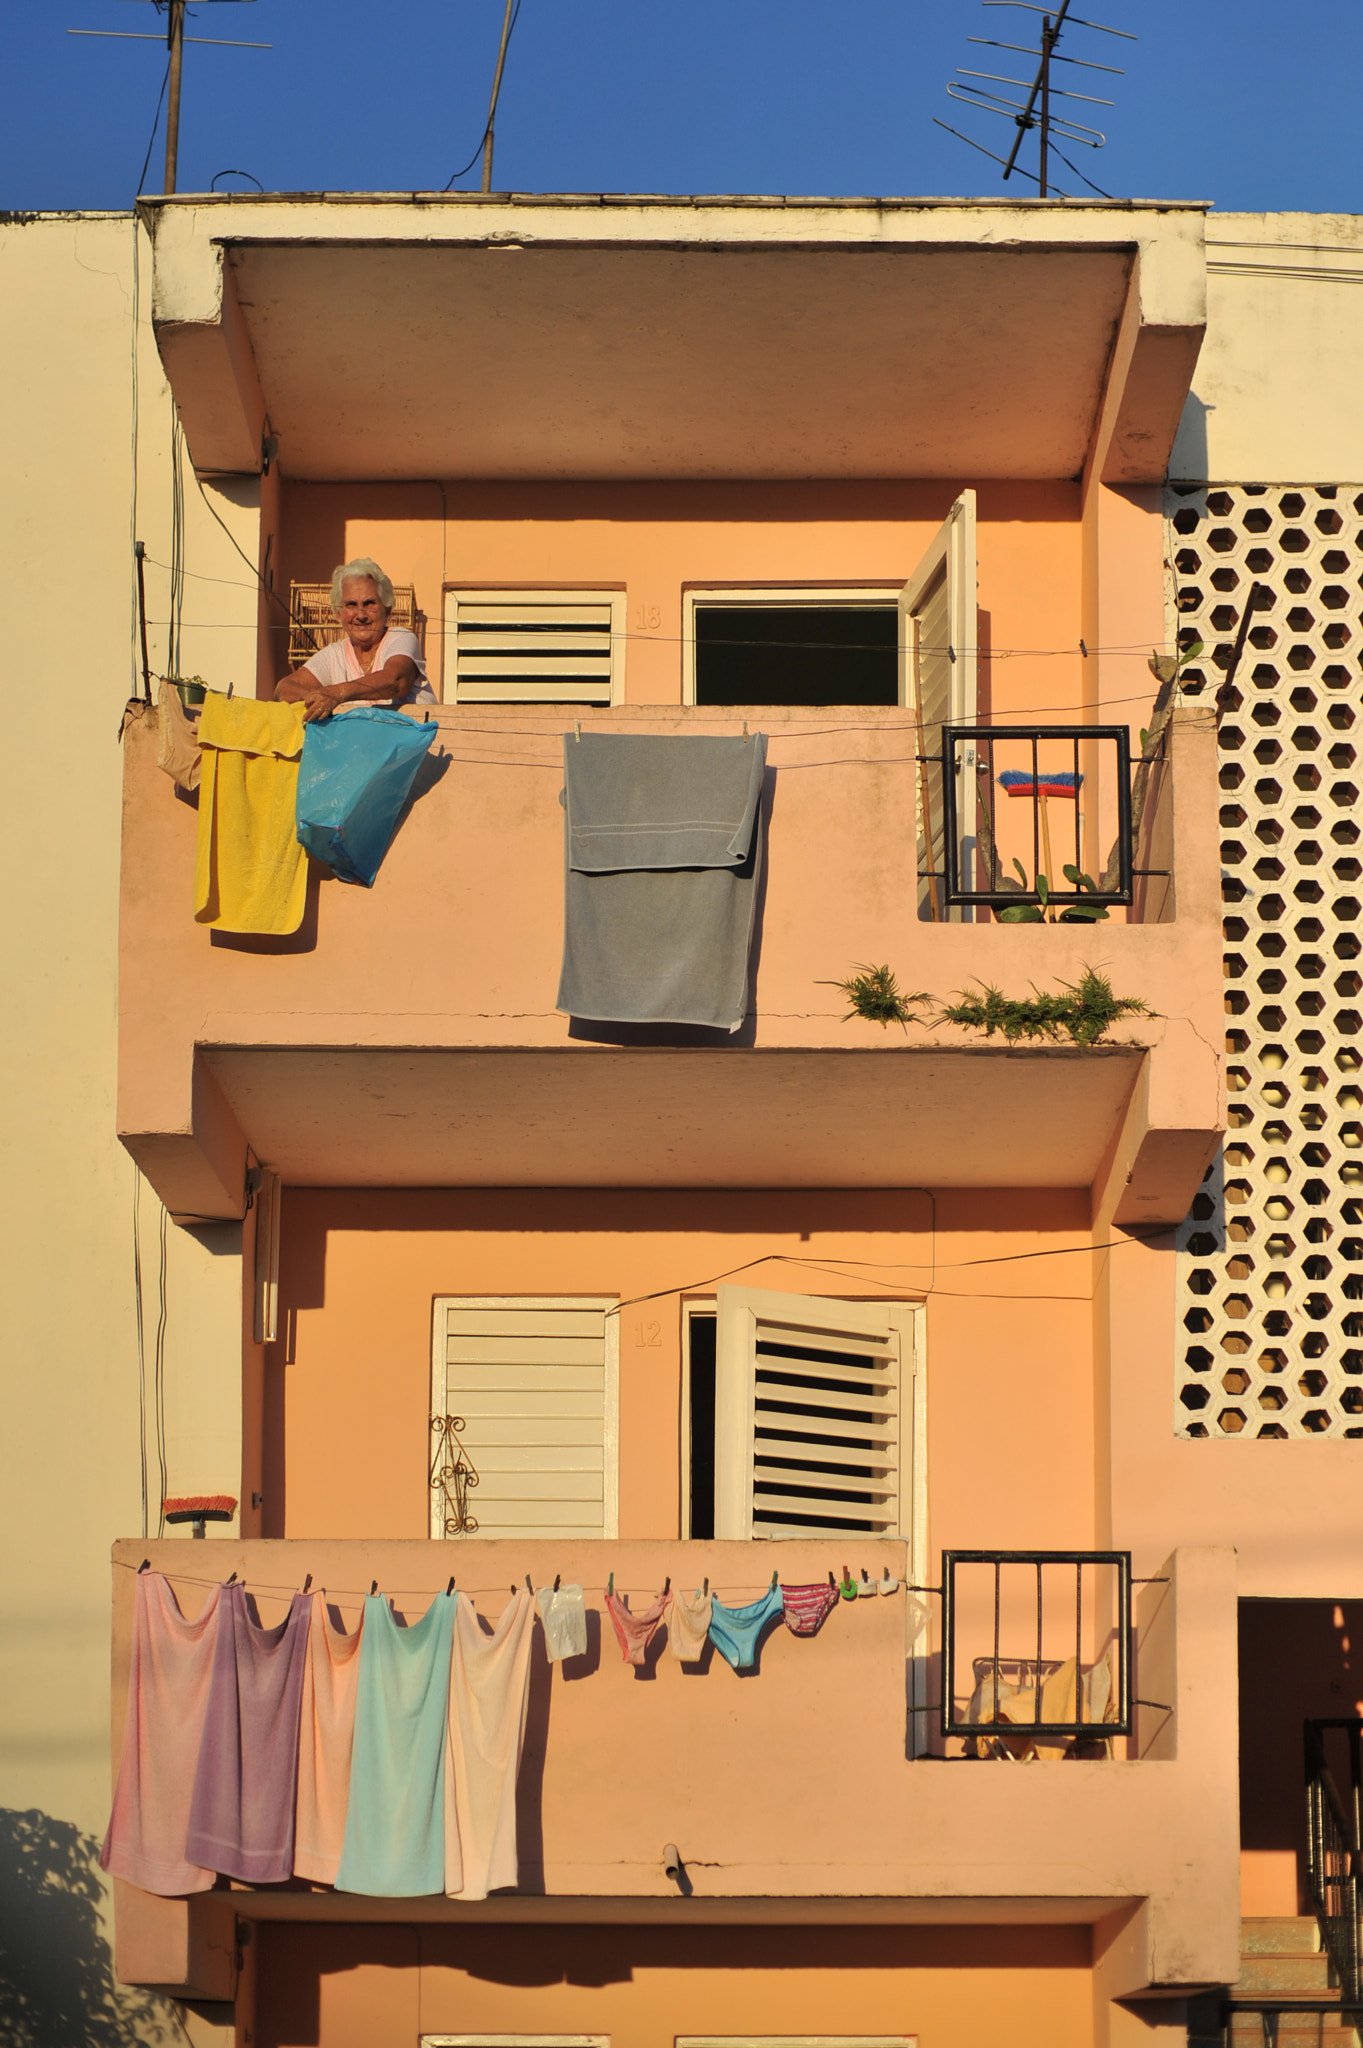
394,1845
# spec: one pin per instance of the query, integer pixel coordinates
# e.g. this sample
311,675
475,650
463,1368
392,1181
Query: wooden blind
534,1380
534,647
812,1415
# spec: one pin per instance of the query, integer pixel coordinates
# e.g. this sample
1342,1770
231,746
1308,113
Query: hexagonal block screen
1270,1296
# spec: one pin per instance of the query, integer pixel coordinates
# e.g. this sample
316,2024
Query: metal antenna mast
175,42
1024,113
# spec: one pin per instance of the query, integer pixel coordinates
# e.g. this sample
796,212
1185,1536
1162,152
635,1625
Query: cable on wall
141,1338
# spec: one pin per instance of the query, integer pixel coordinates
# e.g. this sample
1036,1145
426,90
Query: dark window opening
701,1349
797,654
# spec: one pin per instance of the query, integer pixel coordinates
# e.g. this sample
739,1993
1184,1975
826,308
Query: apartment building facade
916,490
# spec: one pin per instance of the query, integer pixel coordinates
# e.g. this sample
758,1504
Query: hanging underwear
736,1631
807,1606
688,1626
635,1631
564,1614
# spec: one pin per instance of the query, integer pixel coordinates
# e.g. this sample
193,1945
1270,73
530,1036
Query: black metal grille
1038,766
1035,1657
1332,1859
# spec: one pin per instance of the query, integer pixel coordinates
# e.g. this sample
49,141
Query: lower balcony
812,1790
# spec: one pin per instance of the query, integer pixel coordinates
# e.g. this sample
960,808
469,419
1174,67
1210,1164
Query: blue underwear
736,1631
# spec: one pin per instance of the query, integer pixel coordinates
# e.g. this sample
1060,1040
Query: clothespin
373,1589
450,1588
848,1588
832,1582
1084,651
530,1589
145,1566
745,732
307,1583
706,1586
774,1577
667,1587
556,1579
577,729
611,1587
230,1579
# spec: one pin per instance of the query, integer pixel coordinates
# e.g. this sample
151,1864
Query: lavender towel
241,1815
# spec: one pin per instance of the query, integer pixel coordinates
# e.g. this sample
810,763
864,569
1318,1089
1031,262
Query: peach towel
168,1679
688,1625
331,1677
489,1698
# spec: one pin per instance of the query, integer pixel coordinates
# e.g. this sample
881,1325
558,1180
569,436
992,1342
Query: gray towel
662,861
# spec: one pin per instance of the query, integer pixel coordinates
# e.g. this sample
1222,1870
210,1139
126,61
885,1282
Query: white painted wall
1277,396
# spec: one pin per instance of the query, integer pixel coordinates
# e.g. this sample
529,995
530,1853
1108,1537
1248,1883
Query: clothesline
357,1594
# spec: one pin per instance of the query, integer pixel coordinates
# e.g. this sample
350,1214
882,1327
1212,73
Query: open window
524,1416
534,647
937,636
790,645
816,1408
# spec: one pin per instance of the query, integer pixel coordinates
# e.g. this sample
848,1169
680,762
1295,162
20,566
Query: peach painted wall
1009,1376
652,539
952,1987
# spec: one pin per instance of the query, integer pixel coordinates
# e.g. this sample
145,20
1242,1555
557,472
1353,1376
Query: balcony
793,1795
408,1037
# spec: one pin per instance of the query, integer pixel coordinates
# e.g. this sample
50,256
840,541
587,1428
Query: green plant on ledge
1045,911
1081,1010
875,994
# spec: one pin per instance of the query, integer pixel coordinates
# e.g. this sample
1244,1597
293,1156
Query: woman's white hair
362,567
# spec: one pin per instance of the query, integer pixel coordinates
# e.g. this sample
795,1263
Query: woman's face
364,618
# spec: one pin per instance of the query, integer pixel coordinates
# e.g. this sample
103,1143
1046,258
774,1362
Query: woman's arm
384,685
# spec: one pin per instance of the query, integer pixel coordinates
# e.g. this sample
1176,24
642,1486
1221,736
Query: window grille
1270,1293
534,647
313,624
534,1383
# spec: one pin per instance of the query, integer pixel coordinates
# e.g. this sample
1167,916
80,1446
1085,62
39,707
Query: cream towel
489,1697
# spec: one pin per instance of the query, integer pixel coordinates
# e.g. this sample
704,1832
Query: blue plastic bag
355,776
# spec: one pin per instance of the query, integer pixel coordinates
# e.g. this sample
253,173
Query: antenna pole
496,88
1047,39
175,38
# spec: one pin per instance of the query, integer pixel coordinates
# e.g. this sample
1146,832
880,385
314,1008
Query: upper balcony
799,1793
407,1036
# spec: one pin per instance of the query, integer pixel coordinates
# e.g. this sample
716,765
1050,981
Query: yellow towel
250,874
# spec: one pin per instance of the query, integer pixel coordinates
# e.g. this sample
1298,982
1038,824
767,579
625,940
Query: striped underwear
807,1606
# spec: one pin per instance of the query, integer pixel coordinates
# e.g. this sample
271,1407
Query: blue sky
1241,102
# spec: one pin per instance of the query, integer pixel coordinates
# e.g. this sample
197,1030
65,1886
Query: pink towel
635,1632
330,1682
489,1697
807,1606
168,1679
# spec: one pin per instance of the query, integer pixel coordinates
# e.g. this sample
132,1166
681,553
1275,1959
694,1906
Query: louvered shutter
534,647
535,1381
813,1415
937,638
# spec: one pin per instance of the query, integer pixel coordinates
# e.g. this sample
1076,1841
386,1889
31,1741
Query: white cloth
688,1625
489,1698
339,663
564,1614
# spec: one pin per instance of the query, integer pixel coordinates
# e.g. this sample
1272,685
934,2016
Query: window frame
610,1420
861,596
453,594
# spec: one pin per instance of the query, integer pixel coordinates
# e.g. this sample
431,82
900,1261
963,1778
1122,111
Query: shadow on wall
57,1987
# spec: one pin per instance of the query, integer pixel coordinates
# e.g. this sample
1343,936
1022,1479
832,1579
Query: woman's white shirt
339,663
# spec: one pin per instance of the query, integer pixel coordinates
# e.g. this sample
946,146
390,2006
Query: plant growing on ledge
1081,1010
875,994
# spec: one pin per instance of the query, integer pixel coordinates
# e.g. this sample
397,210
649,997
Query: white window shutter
535,1381
534,647
813,1415
937,671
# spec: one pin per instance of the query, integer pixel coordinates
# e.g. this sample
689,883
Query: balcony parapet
791,1793
407,1036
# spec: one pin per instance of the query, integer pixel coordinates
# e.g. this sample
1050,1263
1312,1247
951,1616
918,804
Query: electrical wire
141,1337
159,1379
177,546
1077,172
151,140
492,110
134,593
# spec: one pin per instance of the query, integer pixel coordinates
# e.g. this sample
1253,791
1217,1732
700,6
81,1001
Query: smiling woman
372,663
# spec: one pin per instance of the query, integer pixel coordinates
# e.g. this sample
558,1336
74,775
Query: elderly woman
373,663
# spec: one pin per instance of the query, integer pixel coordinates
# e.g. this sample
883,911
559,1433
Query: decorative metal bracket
452,1475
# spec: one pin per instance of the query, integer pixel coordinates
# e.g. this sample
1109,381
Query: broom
1044,784
199,1508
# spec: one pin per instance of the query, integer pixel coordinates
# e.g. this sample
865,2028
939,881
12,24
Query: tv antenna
1036,110
175,42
